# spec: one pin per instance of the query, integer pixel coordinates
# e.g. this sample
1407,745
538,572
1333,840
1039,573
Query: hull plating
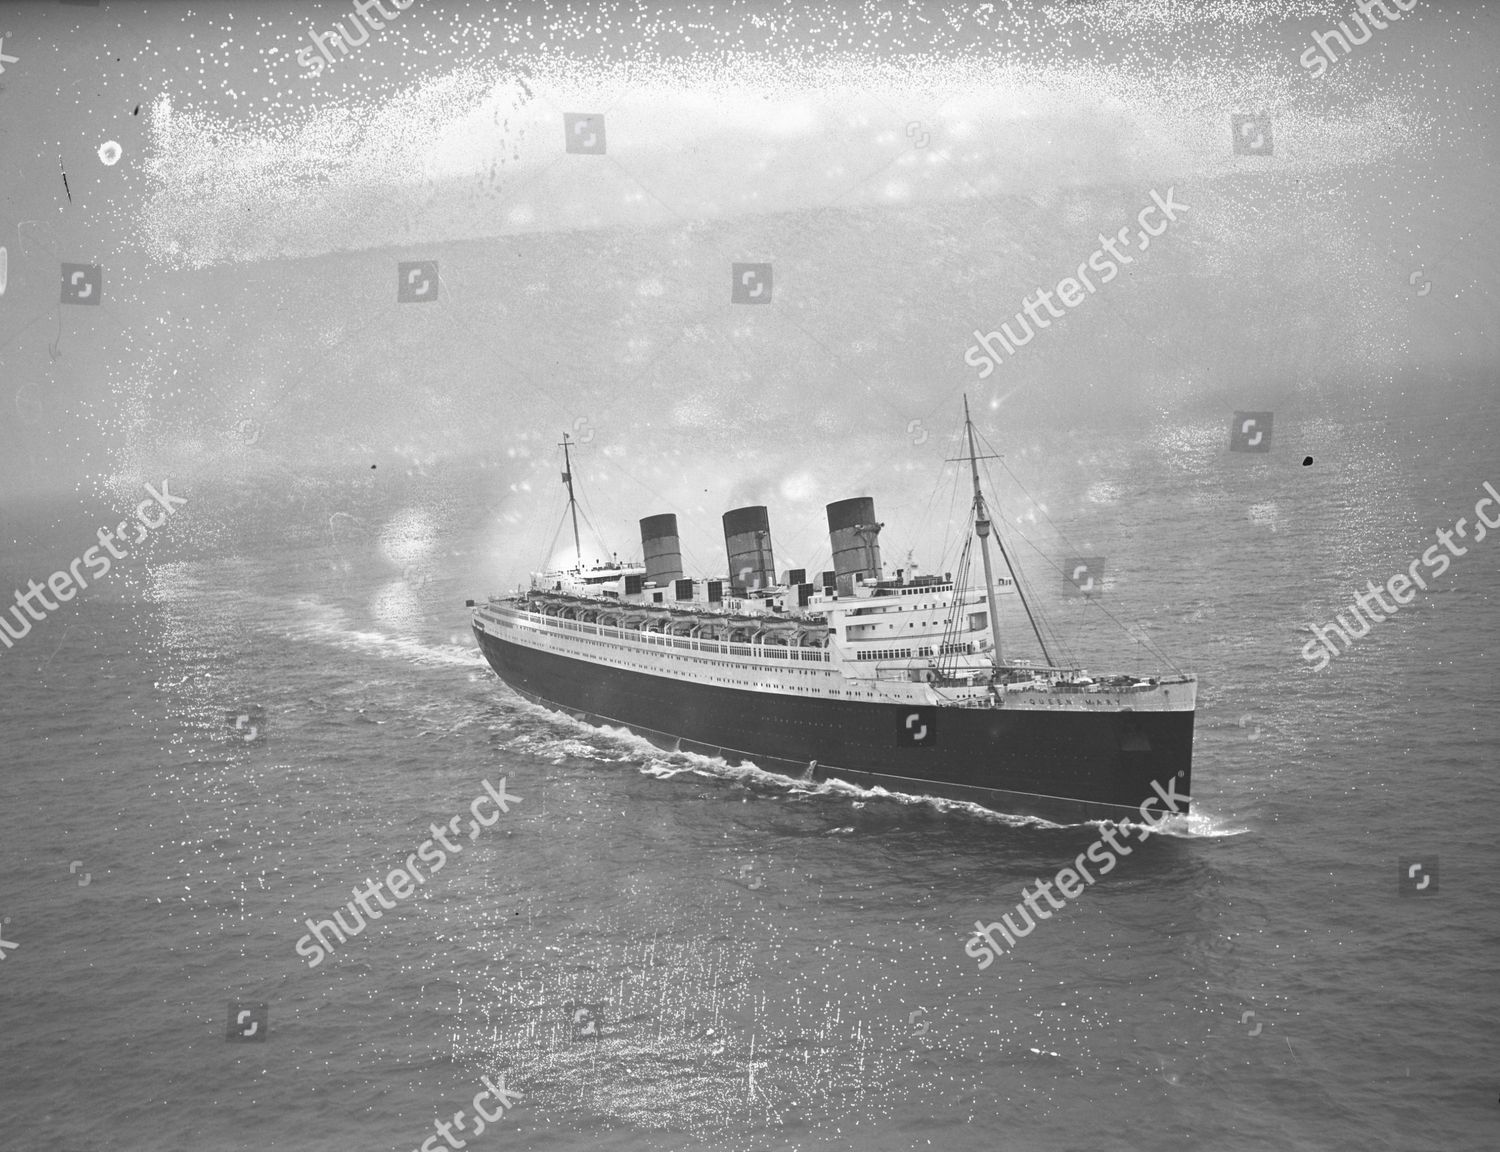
1060,765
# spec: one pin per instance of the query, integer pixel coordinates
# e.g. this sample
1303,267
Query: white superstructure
921,642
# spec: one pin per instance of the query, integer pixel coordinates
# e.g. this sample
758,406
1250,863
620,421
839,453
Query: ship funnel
660,548
855,535
747,539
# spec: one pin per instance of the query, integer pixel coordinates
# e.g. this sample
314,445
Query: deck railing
749,651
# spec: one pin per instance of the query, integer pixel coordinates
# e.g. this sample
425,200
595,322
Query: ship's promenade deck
667,640
812,668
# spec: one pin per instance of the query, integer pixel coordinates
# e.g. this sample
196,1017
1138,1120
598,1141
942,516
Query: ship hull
1060,765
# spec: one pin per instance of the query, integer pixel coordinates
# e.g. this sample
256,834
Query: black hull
1064,766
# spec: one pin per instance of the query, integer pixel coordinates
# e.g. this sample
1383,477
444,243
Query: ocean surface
658,951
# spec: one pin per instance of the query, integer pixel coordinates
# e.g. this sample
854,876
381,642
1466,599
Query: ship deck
819,671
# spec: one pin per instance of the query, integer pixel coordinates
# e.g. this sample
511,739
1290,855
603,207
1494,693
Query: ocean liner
866,675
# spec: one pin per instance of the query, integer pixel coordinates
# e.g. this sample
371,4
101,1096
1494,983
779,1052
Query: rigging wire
948,524
599,537
947,653
1151,647
927,513
552,548
1039,622
1083,617
615,466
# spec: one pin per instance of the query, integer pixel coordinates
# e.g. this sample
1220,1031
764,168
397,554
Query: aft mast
982,527
572,503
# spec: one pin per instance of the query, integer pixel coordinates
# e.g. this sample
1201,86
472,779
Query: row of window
765,652
885,654
905,653
694,659
806,654
715,663
876,654
849,692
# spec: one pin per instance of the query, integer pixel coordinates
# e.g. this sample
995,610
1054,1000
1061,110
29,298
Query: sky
909,172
